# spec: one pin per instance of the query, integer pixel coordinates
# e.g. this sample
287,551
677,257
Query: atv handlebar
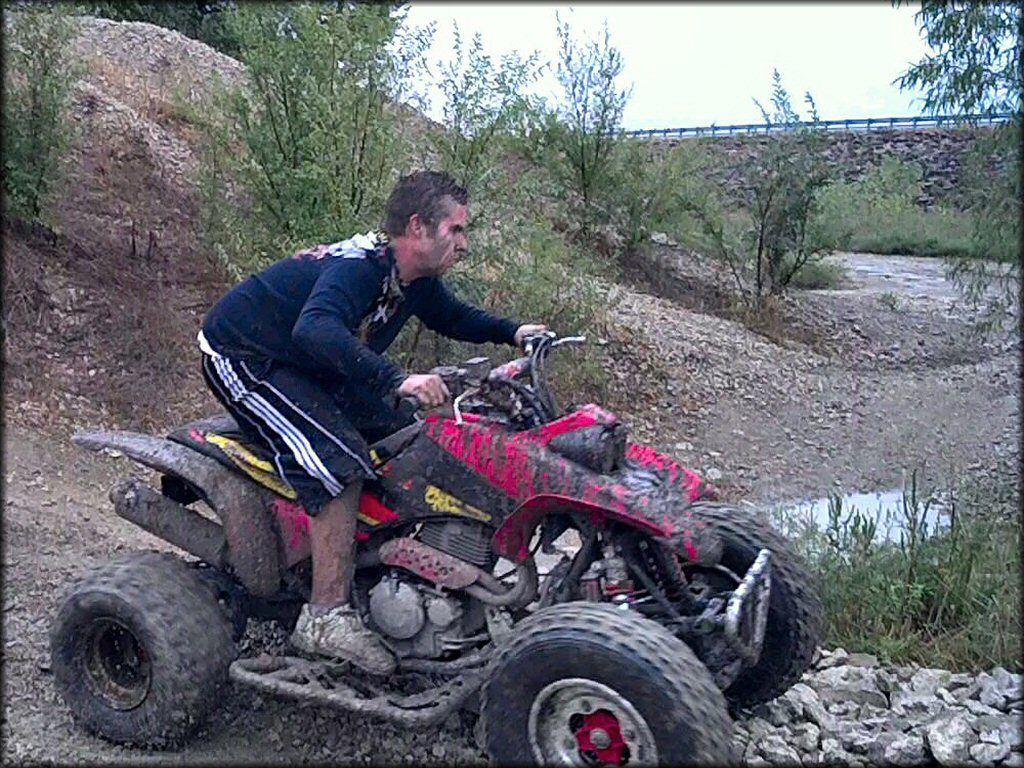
476,375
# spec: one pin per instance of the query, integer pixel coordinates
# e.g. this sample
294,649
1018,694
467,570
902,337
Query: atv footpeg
747,611
322,682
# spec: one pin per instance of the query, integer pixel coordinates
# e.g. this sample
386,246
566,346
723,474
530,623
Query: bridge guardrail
855,124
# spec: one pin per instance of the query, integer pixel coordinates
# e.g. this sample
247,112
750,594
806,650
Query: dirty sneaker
340,633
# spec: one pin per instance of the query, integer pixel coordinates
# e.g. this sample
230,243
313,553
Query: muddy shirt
333,309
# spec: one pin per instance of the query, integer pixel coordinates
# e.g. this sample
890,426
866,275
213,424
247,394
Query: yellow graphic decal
439,501
375,457
258,469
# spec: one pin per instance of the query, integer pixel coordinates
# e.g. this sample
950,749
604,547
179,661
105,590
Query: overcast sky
702,63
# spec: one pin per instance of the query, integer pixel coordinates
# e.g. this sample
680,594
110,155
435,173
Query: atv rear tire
140,650
795,616
576,676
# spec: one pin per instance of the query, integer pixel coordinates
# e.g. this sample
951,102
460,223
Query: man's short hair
425,193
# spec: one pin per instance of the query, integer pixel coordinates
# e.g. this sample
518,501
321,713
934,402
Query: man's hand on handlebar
523,331
428,388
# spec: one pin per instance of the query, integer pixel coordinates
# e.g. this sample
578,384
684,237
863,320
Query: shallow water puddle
887,510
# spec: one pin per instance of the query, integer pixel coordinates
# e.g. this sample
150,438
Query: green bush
38,76
641,195
591,111
818,274
310,148
769,230
939,596
878,213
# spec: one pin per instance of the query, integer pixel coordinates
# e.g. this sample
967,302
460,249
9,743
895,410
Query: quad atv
664,610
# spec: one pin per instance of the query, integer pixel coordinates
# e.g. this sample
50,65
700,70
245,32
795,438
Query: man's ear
414,227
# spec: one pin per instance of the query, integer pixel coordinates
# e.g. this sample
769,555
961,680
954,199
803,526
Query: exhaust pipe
169,520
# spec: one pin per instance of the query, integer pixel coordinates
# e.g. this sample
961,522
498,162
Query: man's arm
339,300
441,311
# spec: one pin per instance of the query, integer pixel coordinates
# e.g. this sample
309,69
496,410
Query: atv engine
420,619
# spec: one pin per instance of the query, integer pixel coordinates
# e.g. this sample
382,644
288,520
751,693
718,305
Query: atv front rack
746,613
321,682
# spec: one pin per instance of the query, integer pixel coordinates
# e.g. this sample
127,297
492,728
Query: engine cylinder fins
466,540
397,608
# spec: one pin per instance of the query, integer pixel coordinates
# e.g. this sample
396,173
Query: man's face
443,248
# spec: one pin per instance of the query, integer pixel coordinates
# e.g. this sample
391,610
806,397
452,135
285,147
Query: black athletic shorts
317,429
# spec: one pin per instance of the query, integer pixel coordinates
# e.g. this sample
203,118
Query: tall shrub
38,76
974,66
767,233
311,146
591,107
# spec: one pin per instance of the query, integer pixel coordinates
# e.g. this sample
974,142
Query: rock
991,694
777,751
862,660
850,684
950,740
989,754
926,681
905,750
832,753
805,737
855,739
810,704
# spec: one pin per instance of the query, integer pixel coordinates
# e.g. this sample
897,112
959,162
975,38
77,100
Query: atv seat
220,438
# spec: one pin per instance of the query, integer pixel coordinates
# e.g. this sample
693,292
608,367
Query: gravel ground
886,390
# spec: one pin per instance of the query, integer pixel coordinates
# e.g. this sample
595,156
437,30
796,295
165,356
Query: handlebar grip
408,407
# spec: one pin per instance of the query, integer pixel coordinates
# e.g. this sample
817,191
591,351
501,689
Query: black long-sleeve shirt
335,308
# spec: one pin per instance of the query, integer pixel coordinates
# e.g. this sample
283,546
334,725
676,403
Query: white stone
989,754
806,736
777,751
926,681
906,750
950,739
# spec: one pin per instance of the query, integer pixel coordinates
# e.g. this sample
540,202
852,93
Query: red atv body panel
510,481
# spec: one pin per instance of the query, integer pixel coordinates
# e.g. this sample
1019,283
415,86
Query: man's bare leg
328,625
332,538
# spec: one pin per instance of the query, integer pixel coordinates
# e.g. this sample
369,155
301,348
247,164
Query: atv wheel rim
116,666
576,721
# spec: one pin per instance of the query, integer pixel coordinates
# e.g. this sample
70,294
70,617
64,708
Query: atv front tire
795,616
140,649
586,683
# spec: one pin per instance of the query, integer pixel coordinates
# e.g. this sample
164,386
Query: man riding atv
294,353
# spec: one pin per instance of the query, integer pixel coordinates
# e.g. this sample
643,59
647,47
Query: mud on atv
663,610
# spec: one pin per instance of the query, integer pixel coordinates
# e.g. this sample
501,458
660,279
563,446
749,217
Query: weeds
945,592
891,301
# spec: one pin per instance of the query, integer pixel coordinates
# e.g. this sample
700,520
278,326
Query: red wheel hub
601,735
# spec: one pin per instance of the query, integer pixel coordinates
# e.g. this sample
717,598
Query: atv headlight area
599,447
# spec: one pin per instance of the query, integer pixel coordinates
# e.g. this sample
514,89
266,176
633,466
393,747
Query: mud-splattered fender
646,466
241,505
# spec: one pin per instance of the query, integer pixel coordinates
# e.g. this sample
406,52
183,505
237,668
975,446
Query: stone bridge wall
939,152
